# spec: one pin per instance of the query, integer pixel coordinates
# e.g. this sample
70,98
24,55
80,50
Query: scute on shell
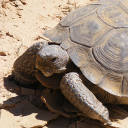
97,43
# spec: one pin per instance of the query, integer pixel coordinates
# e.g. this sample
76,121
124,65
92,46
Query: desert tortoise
95,39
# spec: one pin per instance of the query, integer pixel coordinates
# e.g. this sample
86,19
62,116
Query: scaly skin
24,67
81,97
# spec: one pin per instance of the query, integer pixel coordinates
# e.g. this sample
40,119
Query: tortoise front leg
81,97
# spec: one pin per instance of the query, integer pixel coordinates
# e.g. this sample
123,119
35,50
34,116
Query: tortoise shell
96,39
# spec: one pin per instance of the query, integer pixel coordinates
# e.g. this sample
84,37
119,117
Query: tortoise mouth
47,73
46,70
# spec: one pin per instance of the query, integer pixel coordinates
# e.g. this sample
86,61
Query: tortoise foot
81,97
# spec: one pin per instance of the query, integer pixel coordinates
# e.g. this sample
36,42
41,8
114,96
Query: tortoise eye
53,59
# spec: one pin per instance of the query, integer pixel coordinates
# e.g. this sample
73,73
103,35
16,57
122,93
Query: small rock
17,3
23,2
2,53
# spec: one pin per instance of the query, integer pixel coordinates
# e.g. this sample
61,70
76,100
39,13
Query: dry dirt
22,23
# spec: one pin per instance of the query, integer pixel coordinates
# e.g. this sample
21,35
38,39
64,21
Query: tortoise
89,47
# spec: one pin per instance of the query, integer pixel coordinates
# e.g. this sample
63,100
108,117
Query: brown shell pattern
96,39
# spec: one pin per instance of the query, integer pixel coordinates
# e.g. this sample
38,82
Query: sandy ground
22,23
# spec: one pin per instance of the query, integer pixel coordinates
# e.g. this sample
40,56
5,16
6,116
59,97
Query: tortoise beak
47,73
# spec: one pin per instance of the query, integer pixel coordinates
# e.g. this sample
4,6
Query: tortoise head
52,59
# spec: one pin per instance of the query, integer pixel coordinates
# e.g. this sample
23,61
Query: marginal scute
87,30
112,50
123,100
93,72
125,85
67,43
79,55
57,34
112,83
125,3
114,15
78,14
